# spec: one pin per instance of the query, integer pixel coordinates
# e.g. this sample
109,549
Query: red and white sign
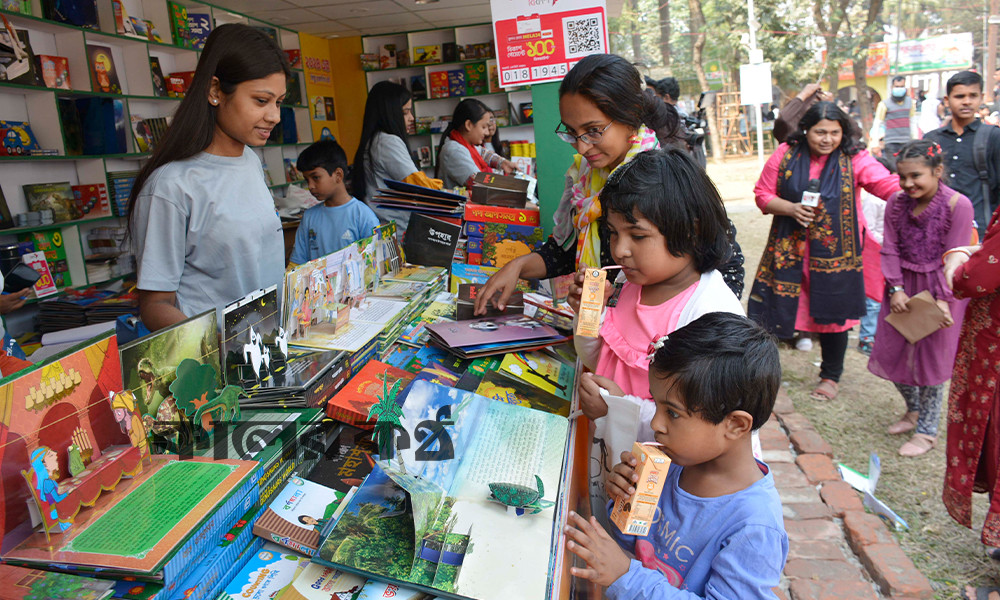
538,41
45,286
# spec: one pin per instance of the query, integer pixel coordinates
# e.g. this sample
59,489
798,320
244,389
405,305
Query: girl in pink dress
921,223
669,232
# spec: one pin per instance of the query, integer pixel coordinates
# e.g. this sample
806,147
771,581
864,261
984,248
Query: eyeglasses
589,137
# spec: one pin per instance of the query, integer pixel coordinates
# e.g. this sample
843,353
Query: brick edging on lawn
836,549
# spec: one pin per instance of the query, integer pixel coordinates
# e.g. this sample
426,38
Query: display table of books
360,443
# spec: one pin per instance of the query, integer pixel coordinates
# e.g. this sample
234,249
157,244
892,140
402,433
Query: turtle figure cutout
519,499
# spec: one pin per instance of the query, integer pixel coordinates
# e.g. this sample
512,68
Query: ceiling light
425,1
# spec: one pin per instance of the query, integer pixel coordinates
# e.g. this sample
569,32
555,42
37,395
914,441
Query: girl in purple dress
921,222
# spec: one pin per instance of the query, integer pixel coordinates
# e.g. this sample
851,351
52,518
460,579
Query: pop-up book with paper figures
175,376
254,343
99,518
468,480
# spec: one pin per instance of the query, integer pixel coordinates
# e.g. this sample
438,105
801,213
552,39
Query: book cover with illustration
18,139
104,75
266,574
72,436
55,71
427,55
19,583
502,244
456,83
295,518
491,330
92,200
199,26
82,13
476,82
541,370
439,84
57,197
319,582
497,386
50,242
462,504
353,403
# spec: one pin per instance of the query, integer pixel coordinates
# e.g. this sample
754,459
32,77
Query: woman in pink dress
811,277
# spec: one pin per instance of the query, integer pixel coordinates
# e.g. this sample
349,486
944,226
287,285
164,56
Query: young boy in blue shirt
719,530
341,219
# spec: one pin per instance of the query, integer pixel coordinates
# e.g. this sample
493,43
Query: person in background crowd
929,119
958,138
460,155
986,116
201,217
895,121
787,120
670,90
383,152
810,276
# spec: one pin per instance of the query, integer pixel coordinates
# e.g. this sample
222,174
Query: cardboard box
635,515
499,190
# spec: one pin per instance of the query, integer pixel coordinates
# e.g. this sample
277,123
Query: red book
294,58
351,404
439,84
92,200
502,214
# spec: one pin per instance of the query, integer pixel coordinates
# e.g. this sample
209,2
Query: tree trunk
665,34
636,36
829,30
861,66
697,27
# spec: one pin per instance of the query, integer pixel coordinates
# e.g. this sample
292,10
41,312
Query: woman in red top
973,461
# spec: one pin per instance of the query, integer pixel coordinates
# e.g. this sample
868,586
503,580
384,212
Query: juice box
634,515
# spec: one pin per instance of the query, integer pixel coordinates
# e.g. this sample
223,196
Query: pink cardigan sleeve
873,177
767,184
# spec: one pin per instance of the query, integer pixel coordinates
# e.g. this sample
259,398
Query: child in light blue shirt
341,219
719,530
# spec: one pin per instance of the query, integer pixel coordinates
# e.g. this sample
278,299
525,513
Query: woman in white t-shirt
201,217
383,152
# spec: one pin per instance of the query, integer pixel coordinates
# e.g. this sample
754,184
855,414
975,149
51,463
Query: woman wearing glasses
461,154
608,119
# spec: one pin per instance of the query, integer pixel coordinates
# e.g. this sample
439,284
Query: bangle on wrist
895,288
964,251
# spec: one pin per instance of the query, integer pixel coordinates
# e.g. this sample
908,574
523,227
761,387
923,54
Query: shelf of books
86,93
441,67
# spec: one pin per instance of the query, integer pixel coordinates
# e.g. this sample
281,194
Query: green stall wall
553,156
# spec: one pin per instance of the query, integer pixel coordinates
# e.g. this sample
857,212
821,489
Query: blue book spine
177,568
475,245
477,229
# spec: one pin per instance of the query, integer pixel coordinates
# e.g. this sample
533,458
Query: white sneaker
804,344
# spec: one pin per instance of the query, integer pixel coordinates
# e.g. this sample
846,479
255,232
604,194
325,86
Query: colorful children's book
18,139
427,55
476,82
319,582
82,515
500,214
52,244
199,26
294,56
55,71
268,572
439,84
456,83
376,590
296,516
19,583
179,28
541,370
46,284
497,386
493,335
352,404
499,247
92,200
466,480
57,197
104,75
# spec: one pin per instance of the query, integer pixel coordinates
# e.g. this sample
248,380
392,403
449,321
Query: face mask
898,92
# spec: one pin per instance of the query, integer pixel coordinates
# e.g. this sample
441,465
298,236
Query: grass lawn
854,424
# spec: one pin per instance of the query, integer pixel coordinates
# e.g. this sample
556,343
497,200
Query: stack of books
493,335
413,198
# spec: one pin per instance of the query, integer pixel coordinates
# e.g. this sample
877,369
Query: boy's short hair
964,78
722,362
326,154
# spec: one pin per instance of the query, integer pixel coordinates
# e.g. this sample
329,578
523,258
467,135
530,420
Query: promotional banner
941,52
538,41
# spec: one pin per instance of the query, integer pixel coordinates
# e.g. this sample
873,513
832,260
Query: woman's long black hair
383,114
469,109
615,87
233,53
849,141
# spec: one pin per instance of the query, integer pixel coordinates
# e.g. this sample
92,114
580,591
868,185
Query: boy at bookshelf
341,219
719,531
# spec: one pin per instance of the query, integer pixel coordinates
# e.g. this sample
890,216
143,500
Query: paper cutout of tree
389,413
195,394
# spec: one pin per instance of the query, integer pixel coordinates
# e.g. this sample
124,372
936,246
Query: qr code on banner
584,35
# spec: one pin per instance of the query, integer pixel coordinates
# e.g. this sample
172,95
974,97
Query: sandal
981,593
919,444
992,553
908,422
826,390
